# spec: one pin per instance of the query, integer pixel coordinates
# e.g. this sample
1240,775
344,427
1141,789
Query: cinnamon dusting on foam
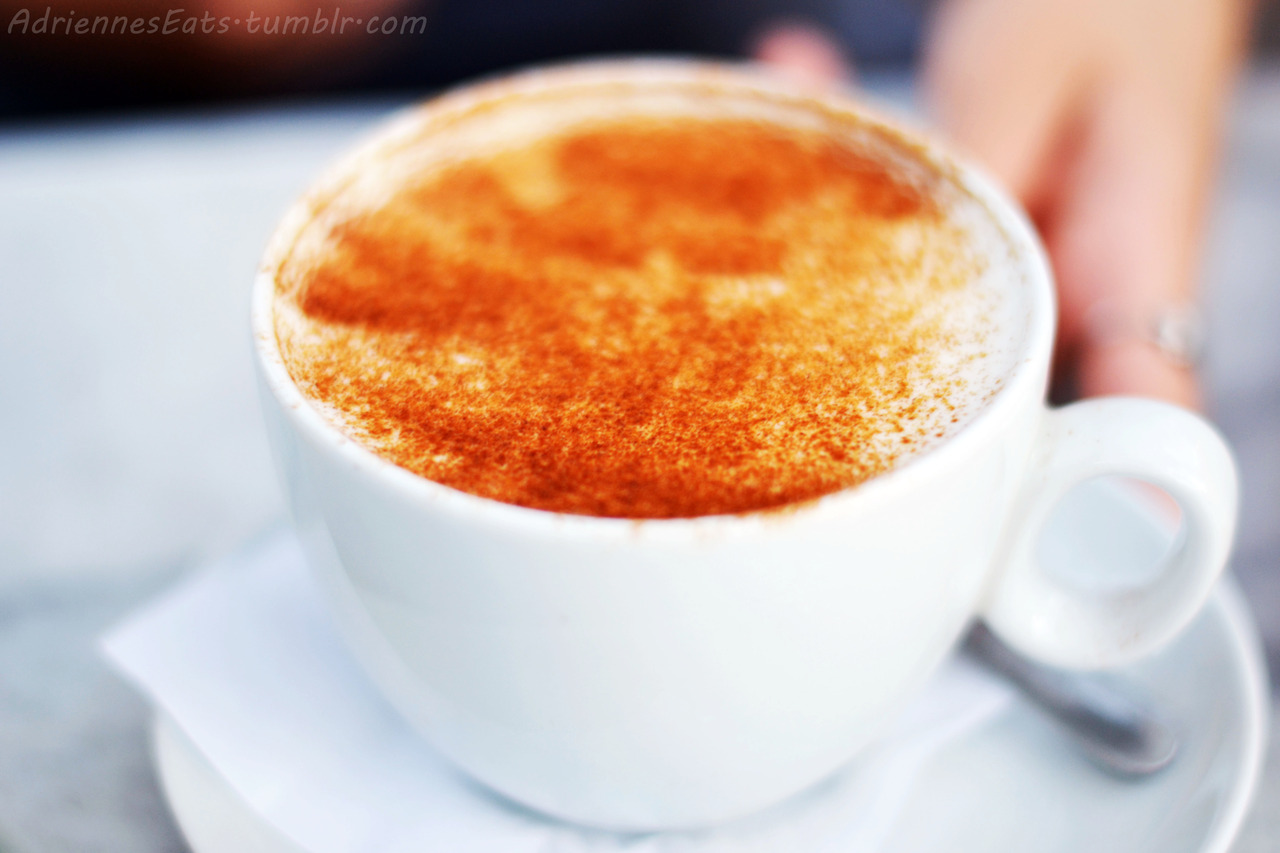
646,318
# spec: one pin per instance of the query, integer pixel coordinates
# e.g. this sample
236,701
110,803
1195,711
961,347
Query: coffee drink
647,302
770,374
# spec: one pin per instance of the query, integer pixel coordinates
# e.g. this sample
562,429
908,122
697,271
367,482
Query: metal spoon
1117,730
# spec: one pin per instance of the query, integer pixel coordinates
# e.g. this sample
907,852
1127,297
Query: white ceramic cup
676,673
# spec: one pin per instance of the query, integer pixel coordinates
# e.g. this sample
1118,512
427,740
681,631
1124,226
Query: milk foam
791,432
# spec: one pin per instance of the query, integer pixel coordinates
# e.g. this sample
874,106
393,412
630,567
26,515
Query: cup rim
1027,376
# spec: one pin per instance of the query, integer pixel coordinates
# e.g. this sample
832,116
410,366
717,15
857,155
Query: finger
1124,234
804,52
1002,80
1136,368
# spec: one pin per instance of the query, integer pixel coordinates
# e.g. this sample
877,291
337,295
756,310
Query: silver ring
1175,331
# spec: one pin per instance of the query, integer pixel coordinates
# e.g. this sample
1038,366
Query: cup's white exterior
657,674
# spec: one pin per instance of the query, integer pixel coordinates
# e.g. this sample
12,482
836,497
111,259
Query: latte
647,302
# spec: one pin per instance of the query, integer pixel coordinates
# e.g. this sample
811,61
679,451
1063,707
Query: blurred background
430,43
141,173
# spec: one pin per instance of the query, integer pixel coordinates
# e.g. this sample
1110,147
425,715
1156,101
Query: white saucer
1015,783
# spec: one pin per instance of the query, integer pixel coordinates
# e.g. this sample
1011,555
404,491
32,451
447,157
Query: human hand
1102,117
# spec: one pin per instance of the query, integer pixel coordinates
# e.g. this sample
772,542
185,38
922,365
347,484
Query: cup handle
1169,447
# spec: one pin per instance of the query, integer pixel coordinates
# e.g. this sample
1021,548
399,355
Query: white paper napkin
242,656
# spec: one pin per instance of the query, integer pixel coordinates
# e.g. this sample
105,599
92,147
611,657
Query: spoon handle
1117,730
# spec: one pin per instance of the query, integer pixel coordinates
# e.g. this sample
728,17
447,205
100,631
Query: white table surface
130,443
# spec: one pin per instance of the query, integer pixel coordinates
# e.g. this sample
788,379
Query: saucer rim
182,771
1246,647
